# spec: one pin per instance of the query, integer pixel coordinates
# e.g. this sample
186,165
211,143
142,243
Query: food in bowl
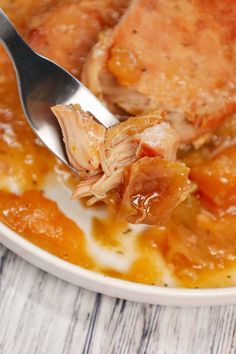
170,66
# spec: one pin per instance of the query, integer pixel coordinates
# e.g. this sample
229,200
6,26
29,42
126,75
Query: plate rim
114,287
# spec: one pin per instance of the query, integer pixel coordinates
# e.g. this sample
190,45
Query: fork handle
16,47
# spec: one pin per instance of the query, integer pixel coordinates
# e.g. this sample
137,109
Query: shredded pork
105,157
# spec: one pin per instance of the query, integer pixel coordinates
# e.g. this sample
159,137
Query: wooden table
44,315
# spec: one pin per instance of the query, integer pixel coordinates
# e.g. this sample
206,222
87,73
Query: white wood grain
44,315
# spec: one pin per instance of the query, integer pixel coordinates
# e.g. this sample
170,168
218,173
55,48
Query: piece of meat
103,158
83,137
67,32
157,140
179,56
153,188
99,80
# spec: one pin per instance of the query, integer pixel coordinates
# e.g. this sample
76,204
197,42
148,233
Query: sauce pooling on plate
195,248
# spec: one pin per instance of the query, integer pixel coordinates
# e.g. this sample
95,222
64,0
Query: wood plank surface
44,315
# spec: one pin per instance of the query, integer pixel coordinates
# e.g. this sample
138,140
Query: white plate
104,284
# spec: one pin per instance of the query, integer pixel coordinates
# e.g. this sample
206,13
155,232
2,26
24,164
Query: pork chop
178,56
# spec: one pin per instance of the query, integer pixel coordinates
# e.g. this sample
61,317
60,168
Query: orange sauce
125,65
40,221
22,156
107,231
197,244
143,271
